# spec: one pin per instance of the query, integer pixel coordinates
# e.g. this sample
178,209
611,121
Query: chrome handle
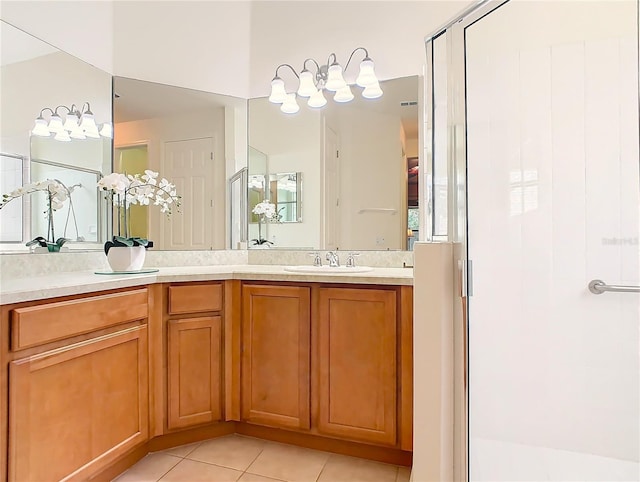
317,260
351,260
597,287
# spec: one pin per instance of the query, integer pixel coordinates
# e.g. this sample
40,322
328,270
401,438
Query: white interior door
189,165
553,203
332,190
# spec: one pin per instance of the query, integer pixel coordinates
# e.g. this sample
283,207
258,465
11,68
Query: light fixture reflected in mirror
78,124
327,77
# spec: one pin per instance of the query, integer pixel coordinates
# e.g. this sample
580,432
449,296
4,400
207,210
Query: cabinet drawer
37,325
195,298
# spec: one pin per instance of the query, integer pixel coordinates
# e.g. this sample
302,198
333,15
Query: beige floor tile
182,450
247,477
150,468
231,451
192,471
404,474
289,463
340,468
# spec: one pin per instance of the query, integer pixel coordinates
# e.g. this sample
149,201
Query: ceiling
138,100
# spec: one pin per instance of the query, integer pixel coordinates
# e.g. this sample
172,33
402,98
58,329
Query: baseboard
192,435
120,465
318,442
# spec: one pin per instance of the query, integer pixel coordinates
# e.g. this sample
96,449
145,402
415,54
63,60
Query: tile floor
236,458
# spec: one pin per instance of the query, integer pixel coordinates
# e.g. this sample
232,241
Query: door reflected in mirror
196,140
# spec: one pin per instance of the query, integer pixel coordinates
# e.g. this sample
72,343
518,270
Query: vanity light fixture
78,124
326,77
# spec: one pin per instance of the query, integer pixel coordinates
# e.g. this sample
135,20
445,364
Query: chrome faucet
333,259
317,260
351,260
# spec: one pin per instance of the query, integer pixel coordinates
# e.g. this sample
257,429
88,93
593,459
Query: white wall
94,154
392,31
231,47
200,45
155,132
84,29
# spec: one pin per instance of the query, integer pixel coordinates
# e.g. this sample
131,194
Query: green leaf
124,241
39,241
107,246
140,241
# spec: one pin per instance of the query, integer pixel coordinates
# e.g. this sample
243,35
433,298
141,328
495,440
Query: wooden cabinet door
74,410
357,364
194,365
276,333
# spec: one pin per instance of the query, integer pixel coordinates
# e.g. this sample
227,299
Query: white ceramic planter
123,258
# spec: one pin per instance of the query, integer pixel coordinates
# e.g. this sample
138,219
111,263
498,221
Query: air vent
408,103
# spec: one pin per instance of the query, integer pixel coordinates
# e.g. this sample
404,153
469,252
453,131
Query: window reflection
523,191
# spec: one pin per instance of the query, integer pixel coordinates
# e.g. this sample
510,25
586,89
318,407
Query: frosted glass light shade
278,94
107,130
92,133
307,88
372,91
366,76
88,123
62,136
41,129
317,100
77,133
344,94
290,106
335,81
55,124
71,123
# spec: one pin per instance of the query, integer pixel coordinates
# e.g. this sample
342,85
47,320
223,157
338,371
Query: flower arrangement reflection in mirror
57,194
125,190
266,212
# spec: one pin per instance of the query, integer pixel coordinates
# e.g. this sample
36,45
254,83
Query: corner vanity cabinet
326,360
194,354
91,383
276,344
356,365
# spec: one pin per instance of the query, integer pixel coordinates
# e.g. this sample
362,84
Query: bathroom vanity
92,382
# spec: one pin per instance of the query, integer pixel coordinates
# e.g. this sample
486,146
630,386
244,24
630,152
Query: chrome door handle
597,287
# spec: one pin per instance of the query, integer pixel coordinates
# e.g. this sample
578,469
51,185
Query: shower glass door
552,186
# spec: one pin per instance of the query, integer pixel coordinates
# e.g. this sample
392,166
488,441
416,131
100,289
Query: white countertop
77,282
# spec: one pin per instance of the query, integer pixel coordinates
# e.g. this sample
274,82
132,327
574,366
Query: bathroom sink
328,269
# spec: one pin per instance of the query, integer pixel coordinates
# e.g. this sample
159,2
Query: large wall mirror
36,80
357,166
196,140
